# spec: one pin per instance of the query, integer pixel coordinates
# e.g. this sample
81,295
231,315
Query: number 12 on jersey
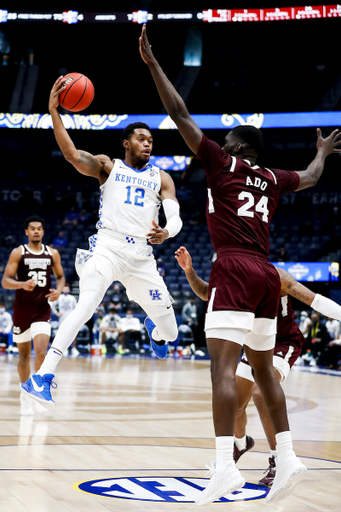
138,196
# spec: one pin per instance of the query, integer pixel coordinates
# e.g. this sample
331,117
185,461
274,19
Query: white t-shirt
333,327
130,323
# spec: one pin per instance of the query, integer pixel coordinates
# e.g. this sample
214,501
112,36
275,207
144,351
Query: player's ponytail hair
33,218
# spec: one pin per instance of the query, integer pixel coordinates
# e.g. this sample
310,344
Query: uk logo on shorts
164,489
155,294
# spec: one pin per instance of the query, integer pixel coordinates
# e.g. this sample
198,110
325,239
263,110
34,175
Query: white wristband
326,306
172,213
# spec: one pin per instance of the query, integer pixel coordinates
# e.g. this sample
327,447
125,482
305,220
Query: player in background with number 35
244,288
28,271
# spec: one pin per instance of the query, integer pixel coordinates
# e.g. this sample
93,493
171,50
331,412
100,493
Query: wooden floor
121,418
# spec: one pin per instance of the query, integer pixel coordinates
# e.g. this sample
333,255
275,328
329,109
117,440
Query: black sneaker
270,474
238,453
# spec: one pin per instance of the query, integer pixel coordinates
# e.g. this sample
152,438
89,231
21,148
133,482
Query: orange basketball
78,93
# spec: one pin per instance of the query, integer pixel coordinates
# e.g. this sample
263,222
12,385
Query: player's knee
24,358
256,394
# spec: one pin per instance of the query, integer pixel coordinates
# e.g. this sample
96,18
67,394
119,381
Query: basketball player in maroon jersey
289,343
28,271
244,287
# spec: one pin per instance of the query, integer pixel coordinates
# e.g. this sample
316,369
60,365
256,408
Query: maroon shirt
36,266
287,329
241,198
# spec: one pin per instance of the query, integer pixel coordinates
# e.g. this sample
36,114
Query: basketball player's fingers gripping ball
78,92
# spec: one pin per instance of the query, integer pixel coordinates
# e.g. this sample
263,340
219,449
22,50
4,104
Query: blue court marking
154,487
123,470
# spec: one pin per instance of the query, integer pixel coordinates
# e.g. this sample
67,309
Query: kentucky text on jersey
136,181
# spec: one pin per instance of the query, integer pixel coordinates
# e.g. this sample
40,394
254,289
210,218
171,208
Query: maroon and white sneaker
238,453
270,474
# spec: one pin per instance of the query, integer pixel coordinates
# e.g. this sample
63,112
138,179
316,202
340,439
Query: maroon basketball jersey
38,266
241,198
287,329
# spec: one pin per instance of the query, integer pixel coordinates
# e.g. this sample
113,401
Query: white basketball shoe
221,483
290,471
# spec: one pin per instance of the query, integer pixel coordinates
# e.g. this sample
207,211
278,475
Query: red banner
246,15
333,11
308,12
277,14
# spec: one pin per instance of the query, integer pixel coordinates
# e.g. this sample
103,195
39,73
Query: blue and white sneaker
38,387
159,350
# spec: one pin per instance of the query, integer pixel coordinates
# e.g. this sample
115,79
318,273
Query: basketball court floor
129,434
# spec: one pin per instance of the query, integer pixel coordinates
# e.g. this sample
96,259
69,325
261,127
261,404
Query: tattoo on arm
295,289
87,159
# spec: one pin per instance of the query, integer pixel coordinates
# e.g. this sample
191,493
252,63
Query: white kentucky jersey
130,200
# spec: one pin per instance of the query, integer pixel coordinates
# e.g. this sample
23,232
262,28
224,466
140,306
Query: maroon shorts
243,294
289,349
244,281
27,313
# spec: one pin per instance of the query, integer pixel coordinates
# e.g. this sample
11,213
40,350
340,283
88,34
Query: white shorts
245,370
257,333
32,331
130,261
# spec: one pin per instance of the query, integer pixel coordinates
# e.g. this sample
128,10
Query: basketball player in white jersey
131,193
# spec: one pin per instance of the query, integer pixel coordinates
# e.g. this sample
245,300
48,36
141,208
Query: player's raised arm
198,285
316,301
84,162
325,147
172,101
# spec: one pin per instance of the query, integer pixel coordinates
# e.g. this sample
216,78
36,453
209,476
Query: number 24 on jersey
249,208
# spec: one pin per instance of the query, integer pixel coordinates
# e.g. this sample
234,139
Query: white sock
284,442
155,335
273,453
224,451
50,362
240,442
86,306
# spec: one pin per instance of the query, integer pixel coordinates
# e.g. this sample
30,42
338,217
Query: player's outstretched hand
329,144
184,259
157,234
57,88
145,47
30,285
53,295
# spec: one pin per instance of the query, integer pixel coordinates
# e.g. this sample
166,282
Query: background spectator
304,324
60,241
110,330
6,325
131,331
